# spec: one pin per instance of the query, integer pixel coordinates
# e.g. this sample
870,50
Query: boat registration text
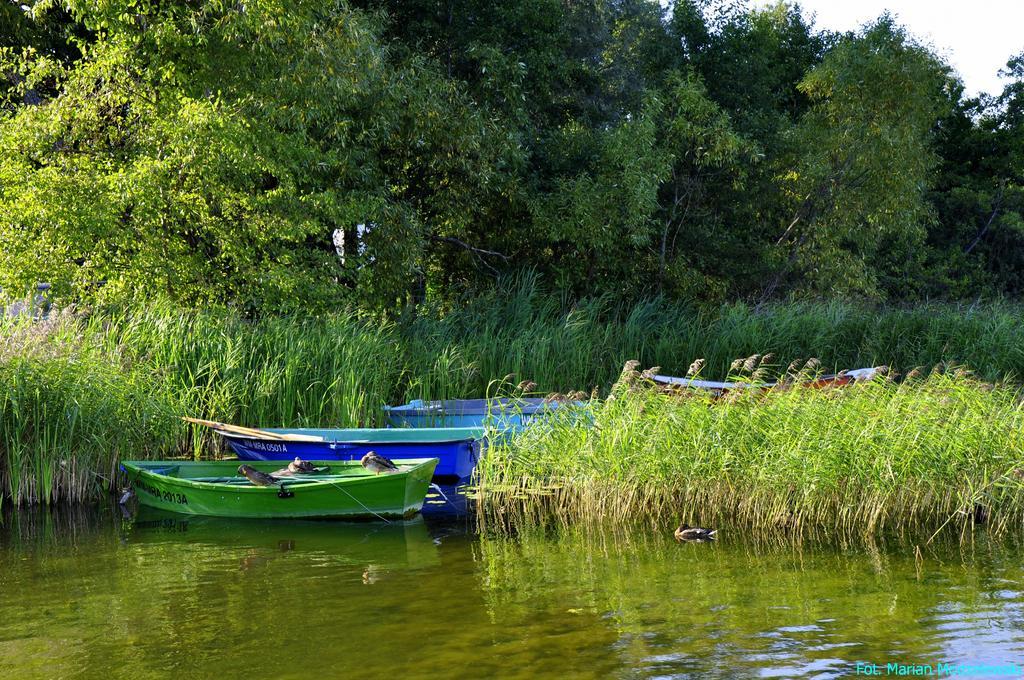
168,496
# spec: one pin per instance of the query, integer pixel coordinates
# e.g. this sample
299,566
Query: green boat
341,489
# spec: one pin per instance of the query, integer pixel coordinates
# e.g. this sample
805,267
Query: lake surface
92,594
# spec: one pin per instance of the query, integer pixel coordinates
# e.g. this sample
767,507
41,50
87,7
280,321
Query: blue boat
501,414
457,449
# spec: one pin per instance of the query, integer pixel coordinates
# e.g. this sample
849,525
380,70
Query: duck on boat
340,489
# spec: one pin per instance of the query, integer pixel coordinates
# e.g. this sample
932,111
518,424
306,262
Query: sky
976,37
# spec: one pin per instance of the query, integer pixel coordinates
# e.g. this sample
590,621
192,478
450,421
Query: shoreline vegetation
938,451
370,202
83,389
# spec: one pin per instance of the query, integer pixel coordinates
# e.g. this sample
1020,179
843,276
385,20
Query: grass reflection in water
90,595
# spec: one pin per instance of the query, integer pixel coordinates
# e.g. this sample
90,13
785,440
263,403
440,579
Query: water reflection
728,608
87,594
377,546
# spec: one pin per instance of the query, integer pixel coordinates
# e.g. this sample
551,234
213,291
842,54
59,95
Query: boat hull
498,414
842,379
348,492
457,449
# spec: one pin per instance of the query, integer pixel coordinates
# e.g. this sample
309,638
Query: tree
977,243
209,153
219,152
862,160
750,62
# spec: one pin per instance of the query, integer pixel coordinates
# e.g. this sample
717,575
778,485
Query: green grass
81,392
859,460
83,389
69,412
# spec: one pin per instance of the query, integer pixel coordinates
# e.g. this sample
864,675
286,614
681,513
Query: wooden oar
252,432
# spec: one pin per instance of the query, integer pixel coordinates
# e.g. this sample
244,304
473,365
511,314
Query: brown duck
687,533
296,467
299,465
376,463
256,477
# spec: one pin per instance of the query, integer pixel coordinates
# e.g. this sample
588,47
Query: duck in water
376,463
687,533
255,476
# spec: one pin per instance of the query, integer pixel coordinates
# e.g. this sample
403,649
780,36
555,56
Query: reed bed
68,413
564,346
334,371
943,452
83,389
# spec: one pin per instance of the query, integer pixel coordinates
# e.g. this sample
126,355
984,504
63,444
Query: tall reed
521,329
334,371
69,412
85,388
940,452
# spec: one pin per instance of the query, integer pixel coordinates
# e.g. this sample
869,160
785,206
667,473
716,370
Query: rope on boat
384,519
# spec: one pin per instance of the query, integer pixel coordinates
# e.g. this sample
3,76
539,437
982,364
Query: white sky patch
976,37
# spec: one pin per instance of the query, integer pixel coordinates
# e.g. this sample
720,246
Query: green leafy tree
862,161
210,153
702,149
977,243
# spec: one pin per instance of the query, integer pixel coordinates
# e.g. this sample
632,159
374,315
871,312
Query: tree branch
812,206
477,253
997,204
472,249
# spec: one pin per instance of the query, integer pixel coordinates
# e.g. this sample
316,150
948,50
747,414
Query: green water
92,595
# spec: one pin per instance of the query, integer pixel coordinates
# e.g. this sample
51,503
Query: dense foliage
275,154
